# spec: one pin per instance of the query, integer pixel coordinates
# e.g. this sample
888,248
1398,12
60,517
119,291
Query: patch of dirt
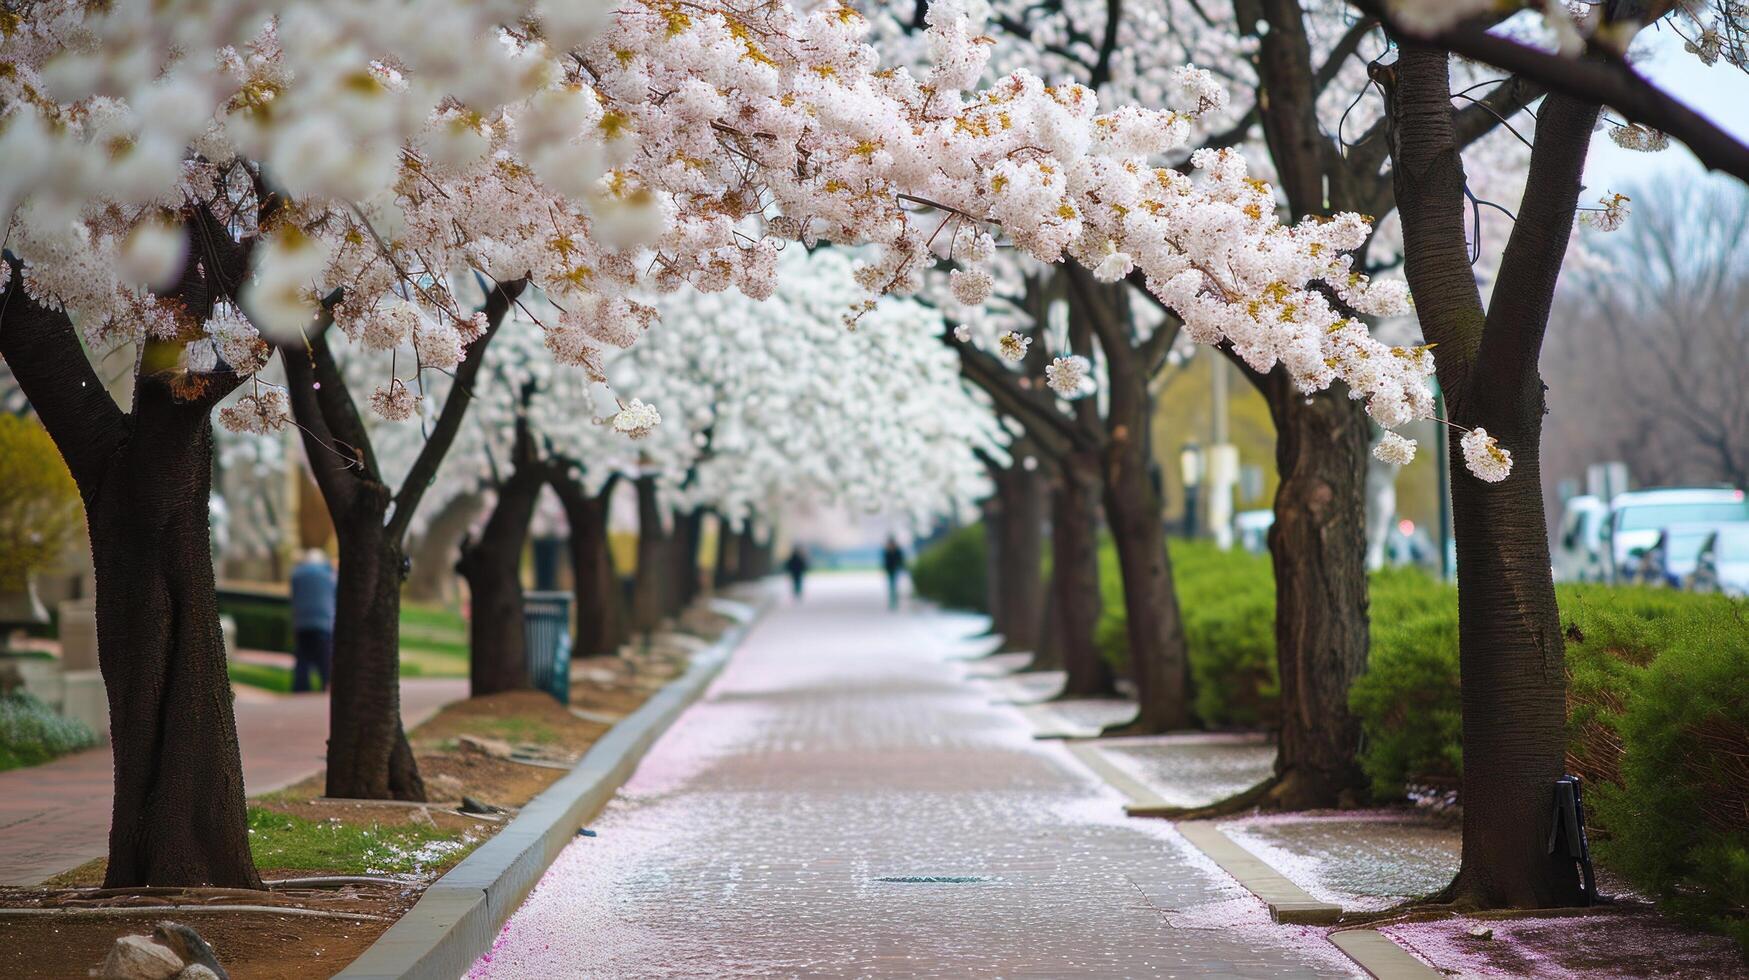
252,946
530,718
500,782
270,946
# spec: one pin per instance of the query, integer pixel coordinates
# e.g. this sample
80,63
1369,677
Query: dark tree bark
368,754
492,566
995,518
723,572
601,613
1075,576
1050,631
683,544
1017,542
179,816
1318,548
747,560
753,556
650,588
1511,652
1159,656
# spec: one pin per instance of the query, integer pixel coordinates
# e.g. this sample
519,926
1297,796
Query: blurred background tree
39,504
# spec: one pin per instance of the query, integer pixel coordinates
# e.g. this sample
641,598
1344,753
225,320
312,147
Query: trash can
546,630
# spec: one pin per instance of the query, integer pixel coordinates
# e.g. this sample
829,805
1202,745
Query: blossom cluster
601,157
753,405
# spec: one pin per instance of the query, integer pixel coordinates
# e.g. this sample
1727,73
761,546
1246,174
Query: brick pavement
788,825
55,817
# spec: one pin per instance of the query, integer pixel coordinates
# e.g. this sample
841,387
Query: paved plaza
845,802
55,817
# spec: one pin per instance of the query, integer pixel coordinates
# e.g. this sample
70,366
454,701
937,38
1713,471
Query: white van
1636,518
1578,555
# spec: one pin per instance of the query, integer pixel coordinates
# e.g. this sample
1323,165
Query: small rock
194,971
189,947
139,958
496,748
471,805
1480,932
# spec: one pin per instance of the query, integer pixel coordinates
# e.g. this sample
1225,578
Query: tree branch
1428,173
44,353
1610,81
449,420
1524,292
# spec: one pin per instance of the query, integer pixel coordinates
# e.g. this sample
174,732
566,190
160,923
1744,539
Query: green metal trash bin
546,630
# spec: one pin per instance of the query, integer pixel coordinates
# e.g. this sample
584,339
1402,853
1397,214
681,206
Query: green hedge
951,572
32,733
1227,599
1658,714
262,624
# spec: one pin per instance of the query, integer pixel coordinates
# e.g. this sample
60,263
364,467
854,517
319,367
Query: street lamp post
1190,469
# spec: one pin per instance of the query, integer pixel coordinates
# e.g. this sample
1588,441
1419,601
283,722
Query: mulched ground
299,945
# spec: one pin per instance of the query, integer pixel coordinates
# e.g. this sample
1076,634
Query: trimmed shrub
1227,599
1677,823
262,624
1407,700
32,733
951,572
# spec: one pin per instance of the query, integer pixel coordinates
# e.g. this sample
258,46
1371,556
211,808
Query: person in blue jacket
312,603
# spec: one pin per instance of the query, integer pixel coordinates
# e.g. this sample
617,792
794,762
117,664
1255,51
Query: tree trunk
683,585
1318,548
1020,597
179,811
492,566
179,816
599,599
723,572
368,754
1049,655
750,565
649,591
1075,577
995,572
1511,653
1159,661
1512,661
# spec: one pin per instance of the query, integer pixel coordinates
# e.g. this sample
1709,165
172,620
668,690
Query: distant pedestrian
797,566
893,559
312,603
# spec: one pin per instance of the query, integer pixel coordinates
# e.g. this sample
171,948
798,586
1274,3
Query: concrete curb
1379,956
1143,801
457,918
1287,901
1049,725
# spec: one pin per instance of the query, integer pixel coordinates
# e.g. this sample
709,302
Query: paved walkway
788,825
55,817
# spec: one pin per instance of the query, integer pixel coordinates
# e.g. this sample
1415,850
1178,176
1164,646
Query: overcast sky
1720,93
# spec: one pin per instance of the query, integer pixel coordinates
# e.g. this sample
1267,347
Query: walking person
797,566
893,560
312,602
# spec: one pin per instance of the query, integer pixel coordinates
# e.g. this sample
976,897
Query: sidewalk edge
459,915
1379,956
1287,902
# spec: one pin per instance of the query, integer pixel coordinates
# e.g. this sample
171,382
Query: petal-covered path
791,822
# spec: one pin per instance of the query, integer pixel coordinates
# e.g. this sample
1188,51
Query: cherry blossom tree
213,187
1128,50
1510,642
764,404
